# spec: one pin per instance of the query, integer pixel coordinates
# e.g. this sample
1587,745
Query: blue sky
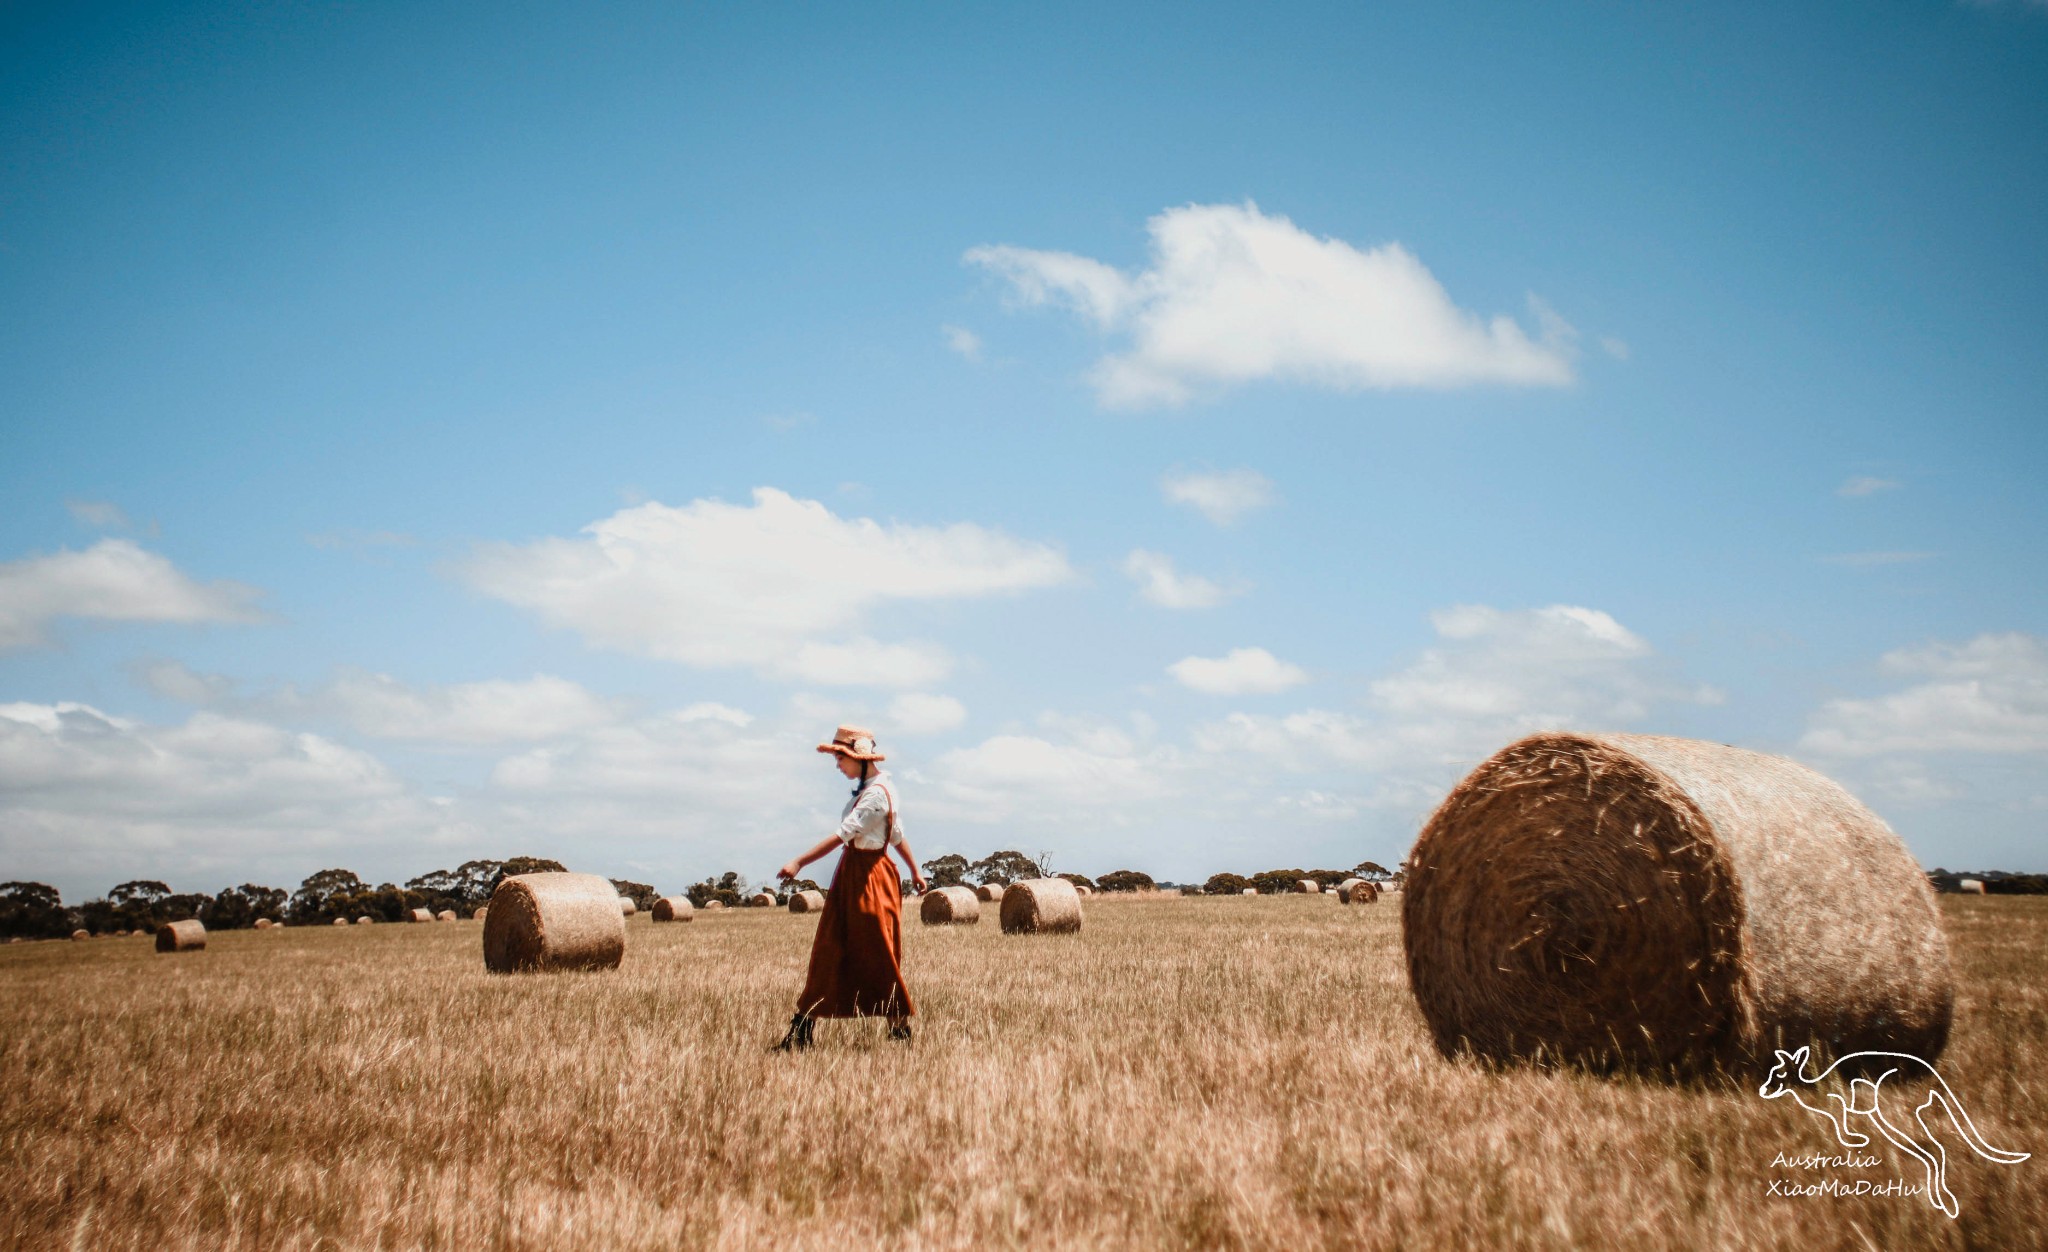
1191,436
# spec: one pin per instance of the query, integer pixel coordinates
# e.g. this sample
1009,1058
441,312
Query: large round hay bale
950,906
761,900
185,936
807,902
989,892
1646,902
1358,891
626,906
445,915
1041,906
419,915
674,909
1307,887
554,921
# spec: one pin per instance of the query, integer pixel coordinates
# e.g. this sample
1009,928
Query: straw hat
857,742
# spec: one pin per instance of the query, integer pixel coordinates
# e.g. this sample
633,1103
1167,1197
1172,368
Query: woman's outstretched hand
789,871
917,881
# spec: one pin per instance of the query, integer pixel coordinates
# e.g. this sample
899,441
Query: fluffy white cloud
494,711
1159,582
1233,295
115,581
781,586
1989,695
916,713
1068,772
1221,497
962,341
1244,671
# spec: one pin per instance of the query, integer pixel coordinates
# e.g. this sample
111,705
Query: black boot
900,1032
799,1036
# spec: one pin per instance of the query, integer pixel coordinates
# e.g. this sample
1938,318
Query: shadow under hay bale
807,902
1047,906
552,921
950,906
673,909
1642,902
185,936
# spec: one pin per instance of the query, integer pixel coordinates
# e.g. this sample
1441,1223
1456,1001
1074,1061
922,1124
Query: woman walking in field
857,956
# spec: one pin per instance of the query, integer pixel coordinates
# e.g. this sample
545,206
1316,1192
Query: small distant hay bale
950,906
713,904
552,921
674,909
81,934
1643,902
1971,886
341,921
185,936
1041,906
1358,891
262,923
807,902
626,906
989,892
366,920
1249,891
1083,890
1308,887
761,900
480,914
419,915
445,915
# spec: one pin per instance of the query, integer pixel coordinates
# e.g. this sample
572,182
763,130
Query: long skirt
857,957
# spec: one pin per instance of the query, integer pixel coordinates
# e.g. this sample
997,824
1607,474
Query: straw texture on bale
950,906
185,936
445,915
554,921
1636,901
1358,891
1041,906
626,906
1971,886
989,892
761,900
673,909
419,915
807,902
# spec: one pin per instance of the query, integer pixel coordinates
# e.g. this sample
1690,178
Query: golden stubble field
1204,1072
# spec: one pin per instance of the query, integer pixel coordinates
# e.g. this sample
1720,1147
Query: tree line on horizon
32,910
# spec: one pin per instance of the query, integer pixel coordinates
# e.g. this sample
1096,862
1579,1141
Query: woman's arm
916,874
823,850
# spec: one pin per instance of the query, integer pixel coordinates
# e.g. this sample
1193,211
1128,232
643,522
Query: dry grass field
1202,1073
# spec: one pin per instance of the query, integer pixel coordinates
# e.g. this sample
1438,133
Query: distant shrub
1125,880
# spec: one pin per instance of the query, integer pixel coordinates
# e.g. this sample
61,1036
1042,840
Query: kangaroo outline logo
1865,1101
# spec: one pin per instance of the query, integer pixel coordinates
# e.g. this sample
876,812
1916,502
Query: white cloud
103,514
781,587
115,581
493,711
1989,695
1099,772
1220,497
962,341
1872,560
916,713
1232,295
1167,587
1245,671
1863,485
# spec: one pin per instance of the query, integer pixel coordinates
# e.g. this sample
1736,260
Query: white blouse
862,821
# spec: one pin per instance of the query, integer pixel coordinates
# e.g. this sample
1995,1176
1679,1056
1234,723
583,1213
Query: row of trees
30,910
1996,882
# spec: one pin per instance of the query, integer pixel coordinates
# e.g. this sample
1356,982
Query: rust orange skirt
857,957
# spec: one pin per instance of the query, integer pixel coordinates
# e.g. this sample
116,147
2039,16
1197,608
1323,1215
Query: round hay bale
713,904
341,921
807,902
1308,887
263,923
1041,906
1358,891
480,914
419,915
626,906
1083,890
185,936
1249,891
761,900
80,934
445,915
366,920
950,906
554,920
1636,901
1971,886
989,892
673,909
